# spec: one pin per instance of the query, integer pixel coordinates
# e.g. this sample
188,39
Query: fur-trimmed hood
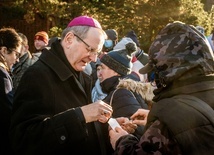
145,89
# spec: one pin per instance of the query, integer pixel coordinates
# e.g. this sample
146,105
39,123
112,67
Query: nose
17,59
93,57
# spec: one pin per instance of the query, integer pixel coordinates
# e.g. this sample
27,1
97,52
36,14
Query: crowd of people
59,99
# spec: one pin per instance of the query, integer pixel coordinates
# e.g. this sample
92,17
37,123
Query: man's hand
97,111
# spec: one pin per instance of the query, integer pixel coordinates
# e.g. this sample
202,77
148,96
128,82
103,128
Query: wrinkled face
80,52
106,72
39,44
11,55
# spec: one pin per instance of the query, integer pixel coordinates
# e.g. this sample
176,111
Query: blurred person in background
111,41
41,40
140,54
136,64
24,62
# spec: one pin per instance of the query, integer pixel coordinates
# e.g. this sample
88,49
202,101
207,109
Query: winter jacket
6,100
20,67
173,127
46,117
124,102
193,130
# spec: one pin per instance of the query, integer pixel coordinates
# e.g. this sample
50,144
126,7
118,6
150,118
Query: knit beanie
120,60
133,36
42,35
122,43
112,34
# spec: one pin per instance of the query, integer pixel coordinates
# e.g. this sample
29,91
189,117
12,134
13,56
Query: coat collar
191,86
55,58
57,65
57,61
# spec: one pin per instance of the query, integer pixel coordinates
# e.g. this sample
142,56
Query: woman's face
106,72
12,56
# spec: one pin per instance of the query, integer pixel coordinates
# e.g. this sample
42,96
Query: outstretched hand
127,124
140,117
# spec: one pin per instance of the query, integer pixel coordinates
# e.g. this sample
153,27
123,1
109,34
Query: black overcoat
46,116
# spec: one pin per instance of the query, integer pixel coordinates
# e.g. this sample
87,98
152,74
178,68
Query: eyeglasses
18,55
89,48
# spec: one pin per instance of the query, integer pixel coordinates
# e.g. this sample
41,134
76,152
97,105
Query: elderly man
53,113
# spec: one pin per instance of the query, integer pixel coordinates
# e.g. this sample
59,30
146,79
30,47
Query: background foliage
145,17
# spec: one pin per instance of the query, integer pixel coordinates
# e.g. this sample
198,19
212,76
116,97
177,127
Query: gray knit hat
120,60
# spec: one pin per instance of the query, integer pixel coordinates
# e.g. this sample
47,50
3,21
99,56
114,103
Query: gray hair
81,31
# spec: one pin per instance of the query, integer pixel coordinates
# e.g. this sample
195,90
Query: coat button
62,138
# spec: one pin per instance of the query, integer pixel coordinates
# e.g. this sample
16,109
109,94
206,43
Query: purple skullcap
84,21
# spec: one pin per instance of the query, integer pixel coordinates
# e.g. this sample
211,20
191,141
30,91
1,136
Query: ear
3,51
116,74
27,47
69,38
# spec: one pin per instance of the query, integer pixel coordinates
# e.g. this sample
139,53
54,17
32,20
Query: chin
80,69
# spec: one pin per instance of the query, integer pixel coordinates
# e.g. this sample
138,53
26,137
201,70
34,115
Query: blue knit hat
120,60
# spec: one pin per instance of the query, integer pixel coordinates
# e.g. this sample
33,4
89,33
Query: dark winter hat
177,49
120,60
112,34
133,36
84,21
98,62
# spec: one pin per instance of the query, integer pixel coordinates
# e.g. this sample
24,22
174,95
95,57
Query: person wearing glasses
53,112
10,46
25,61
